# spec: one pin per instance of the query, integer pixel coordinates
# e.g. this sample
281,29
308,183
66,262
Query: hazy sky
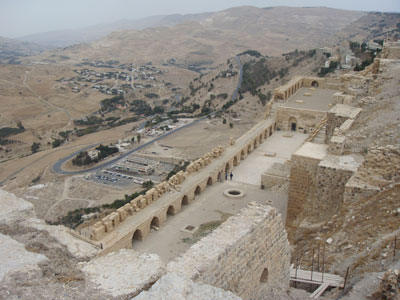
23,17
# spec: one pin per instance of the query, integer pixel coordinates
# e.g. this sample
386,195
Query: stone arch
209,181
249,148
255,144
264,276
292,124
219,177
315,84
155,222
137,236
286,95
235,161
274,126
171,211
113,223
227,167
265,133
260,138
242,155
185,200
197,191
270,131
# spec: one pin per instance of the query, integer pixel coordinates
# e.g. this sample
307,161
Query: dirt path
45,101
65,196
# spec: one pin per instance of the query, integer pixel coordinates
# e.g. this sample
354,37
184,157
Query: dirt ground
197,140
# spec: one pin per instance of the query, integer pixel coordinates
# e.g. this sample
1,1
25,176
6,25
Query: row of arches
173,209
138,235
293,89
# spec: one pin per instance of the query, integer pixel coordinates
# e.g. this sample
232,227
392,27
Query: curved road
57,167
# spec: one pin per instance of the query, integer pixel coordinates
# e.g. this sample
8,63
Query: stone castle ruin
248,256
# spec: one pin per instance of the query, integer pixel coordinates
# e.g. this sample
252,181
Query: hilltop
216,37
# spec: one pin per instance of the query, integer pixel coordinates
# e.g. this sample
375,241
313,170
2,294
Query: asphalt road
57,167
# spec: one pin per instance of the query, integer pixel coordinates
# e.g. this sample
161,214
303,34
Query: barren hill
222,35
11,50
65,38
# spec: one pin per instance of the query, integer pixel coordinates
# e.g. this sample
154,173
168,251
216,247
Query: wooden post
312,263
297,267
323,263
345,279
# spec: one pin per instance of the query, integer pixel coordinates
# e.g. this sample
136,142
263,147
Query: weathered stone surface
15,258
14,209
247,255
76,247
174,287
124,272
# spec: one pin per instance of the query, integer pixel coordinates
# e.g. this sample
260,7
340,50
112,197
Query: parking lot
122,174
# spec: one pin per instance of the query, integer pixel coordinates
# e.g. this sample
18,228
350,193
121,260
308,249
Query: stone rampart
135,220
247,255
332,175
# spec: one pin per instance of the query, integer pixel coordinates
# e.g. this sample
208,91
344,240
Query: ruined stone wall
331,181
306,119
333,122
341,116
247,255
380,168
391,50
356,190
302,189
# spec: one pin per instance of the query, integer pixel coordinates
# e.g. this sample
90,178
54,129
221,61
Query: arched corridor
185,200
155,222
137,236
171,211
197,191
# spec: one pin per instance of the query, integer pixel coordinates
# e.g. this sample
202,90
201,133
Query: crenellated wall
168,197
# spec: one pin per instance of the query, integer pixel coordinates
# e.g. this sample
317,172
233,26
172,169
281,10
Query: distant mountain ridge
65,38
208,39
11,50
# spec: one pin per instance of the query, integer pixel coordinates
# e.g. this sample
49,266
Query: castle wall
306,120
168,197
302,189
248,254
332,177
338,116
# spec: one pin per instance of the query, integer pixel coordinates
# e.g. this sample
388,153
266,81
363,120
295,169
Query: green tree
56,143
35,147
147,184
231,125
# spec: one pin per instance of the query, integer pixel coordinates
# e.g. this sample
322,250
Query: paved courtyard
211,207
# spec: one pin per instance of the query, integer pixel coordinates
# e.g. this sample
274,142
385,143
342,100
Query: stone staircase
320,136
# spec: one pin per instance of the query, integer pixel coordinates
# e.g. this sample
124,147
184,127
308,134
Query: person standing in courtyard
231,175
